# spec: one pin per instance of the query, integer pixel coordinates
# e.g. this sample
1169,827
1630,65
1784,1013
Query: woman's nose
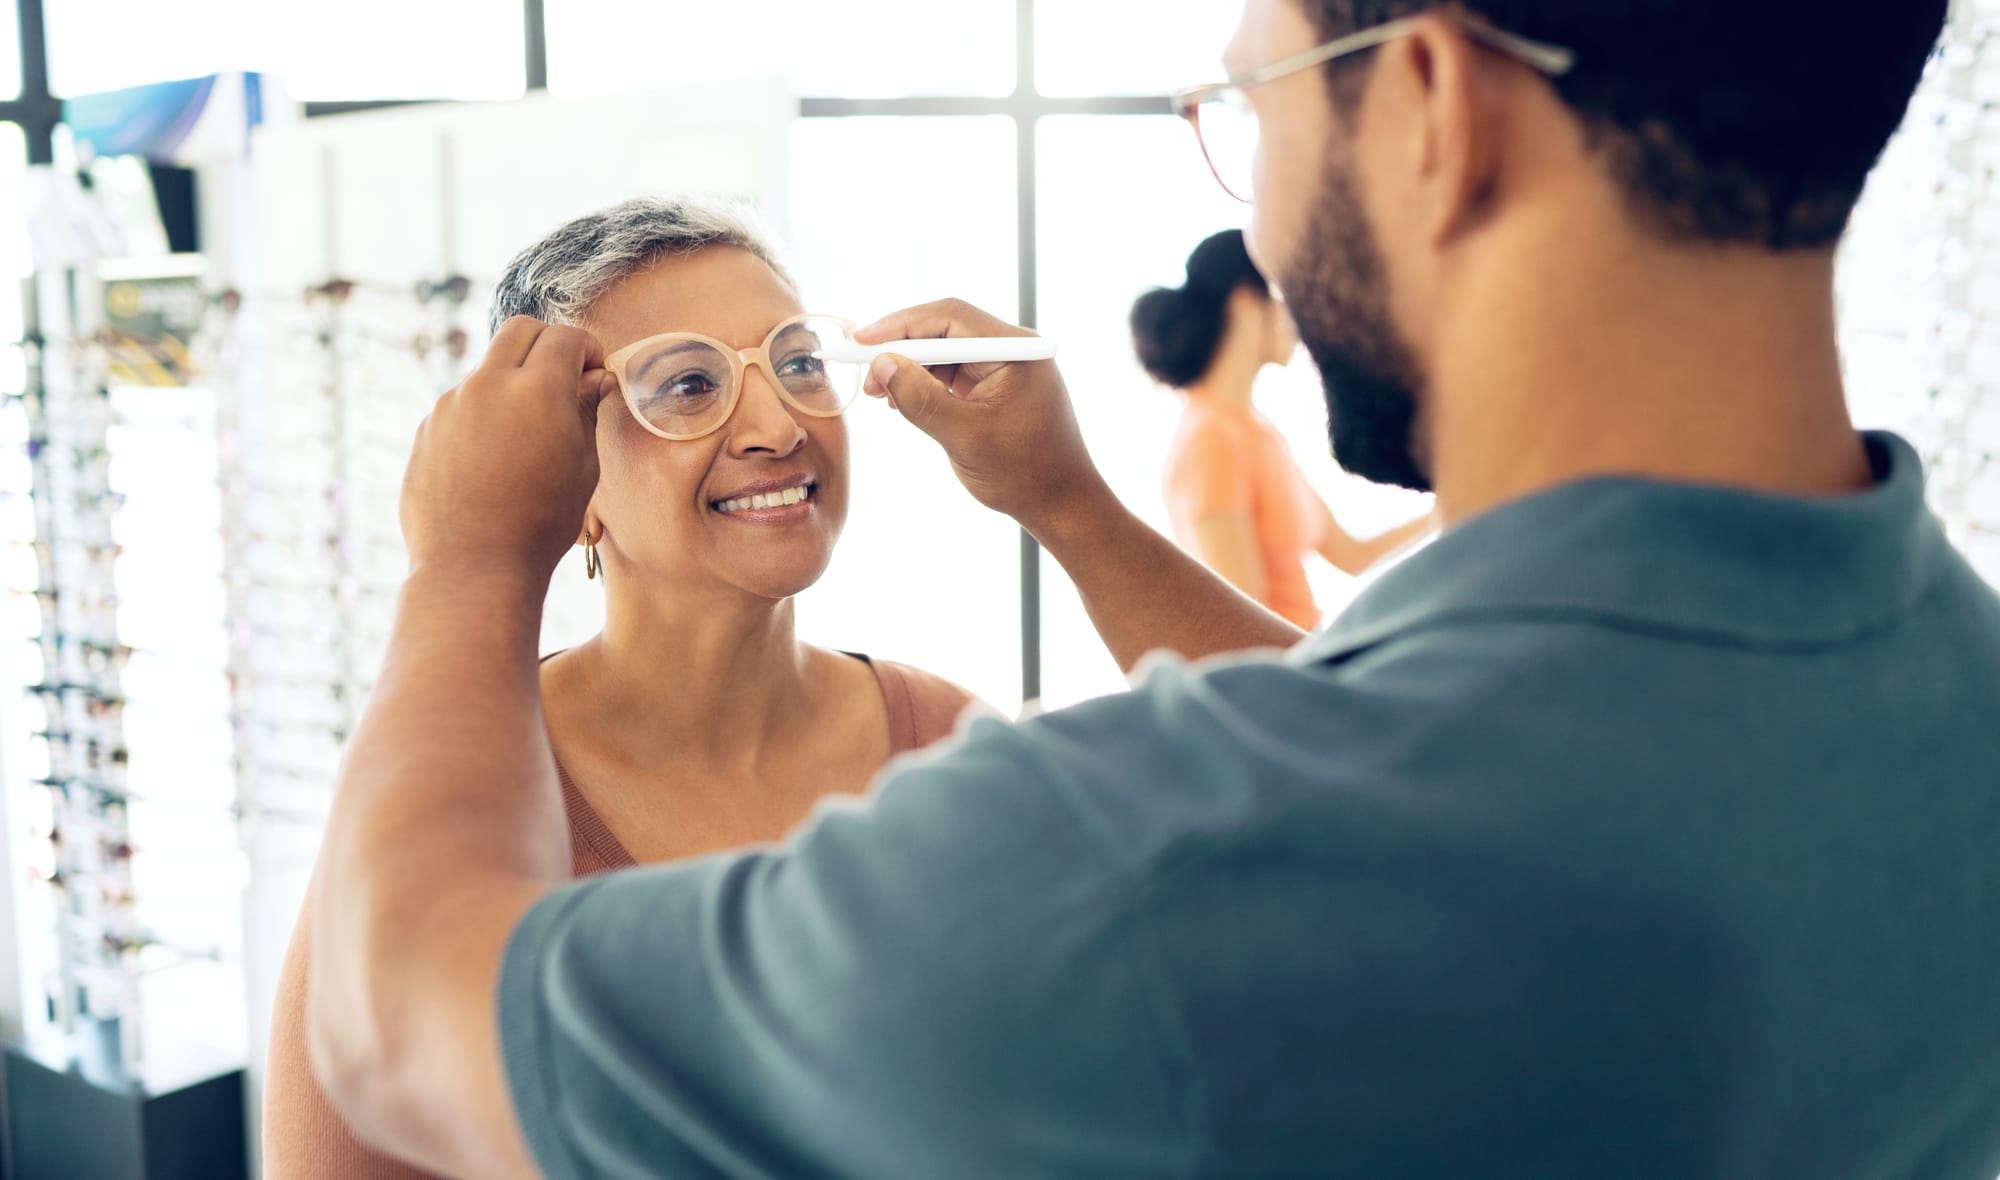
763,422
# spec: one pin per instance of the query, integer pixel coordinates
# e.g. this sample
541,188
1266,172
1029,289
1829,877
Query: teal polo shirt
1632,830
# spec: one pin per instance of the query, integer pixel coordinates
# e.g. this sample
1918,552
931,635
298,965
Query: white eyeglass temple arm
974,350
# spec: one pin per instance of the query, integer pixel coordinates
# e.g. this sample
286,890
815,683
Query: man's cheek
1274,235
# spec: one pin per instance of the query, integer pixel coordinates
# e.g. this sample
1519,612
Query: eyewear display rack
1920,294
1965,459
93,998
87,1099
314,436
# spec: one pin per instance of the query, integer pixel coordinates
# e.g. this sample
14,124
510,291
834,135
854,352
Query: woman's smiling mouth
779,502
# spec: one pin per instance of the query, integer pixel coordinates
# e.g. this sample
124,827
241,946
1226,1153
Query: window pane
365,49
862,49
155,42
10,48
1123,201
15,260
189,870
924,575
1094,47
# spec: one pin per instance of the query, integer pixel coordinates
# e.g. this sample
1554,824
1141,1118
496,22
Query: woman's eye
803,365
692,387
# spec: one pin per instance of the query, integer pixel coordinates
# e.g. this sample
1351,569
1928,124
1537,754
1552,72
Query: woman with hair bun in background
1238,499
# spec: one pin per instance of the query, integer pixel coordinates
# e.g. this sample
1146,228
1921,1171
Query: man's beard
1338,291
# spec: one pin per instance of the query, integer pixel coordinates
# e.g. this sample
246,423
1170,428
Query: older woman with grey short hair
721,495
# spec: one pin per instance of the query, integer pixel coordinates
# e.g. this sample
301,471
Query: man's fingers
513,342
597,386
914,323
949,317
564,352
917,395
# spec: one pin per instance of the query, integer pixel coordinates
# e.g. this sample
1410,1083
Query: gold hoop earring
593,565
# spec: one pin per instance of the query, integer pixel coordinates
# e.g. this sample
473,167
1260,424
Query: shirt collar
1728,564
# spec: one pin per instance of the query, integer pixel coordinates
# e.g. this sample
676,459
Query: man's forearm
446,825
1144,593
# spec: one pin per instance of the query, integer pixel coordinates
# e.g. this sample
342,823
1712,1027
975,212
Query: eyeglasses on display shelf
1919,285
128,787
85,760
311,468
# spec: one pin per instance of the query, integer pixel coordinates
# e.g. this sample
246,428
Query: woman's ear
1247,313
1280,333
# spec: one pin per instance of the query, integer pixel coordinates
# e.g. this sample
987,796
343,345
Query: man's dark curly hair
1747,121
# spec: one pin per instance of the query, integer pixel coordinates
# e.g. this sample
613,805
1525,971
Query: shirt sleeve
1211,475
930,983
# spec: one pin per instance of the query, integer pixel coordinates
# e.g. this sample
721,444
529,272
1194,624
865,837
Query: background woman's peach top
1226,460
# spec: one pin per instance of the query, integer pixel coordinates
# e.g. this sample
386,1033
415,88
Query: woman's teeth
782,499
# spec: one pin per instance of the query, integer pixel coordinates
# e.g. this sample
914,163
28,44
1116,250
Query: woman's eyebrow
792,330
654,359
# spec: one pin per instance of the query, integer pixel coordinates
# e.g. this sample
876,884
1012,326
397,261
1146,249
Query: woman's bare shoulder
931,704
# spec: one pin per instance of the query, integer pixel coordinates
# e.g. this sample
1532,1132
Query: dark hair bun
1177,333
1178,330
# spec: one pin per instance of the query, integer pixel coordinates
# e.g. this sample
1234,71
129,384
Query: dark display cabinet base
67,1121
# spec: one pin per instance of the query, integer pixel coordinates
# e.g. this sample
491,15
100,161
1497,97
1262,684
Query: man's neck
1713,367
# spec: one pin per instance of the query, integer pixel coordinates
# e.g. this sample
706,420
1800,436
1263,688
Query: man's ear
1456,129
